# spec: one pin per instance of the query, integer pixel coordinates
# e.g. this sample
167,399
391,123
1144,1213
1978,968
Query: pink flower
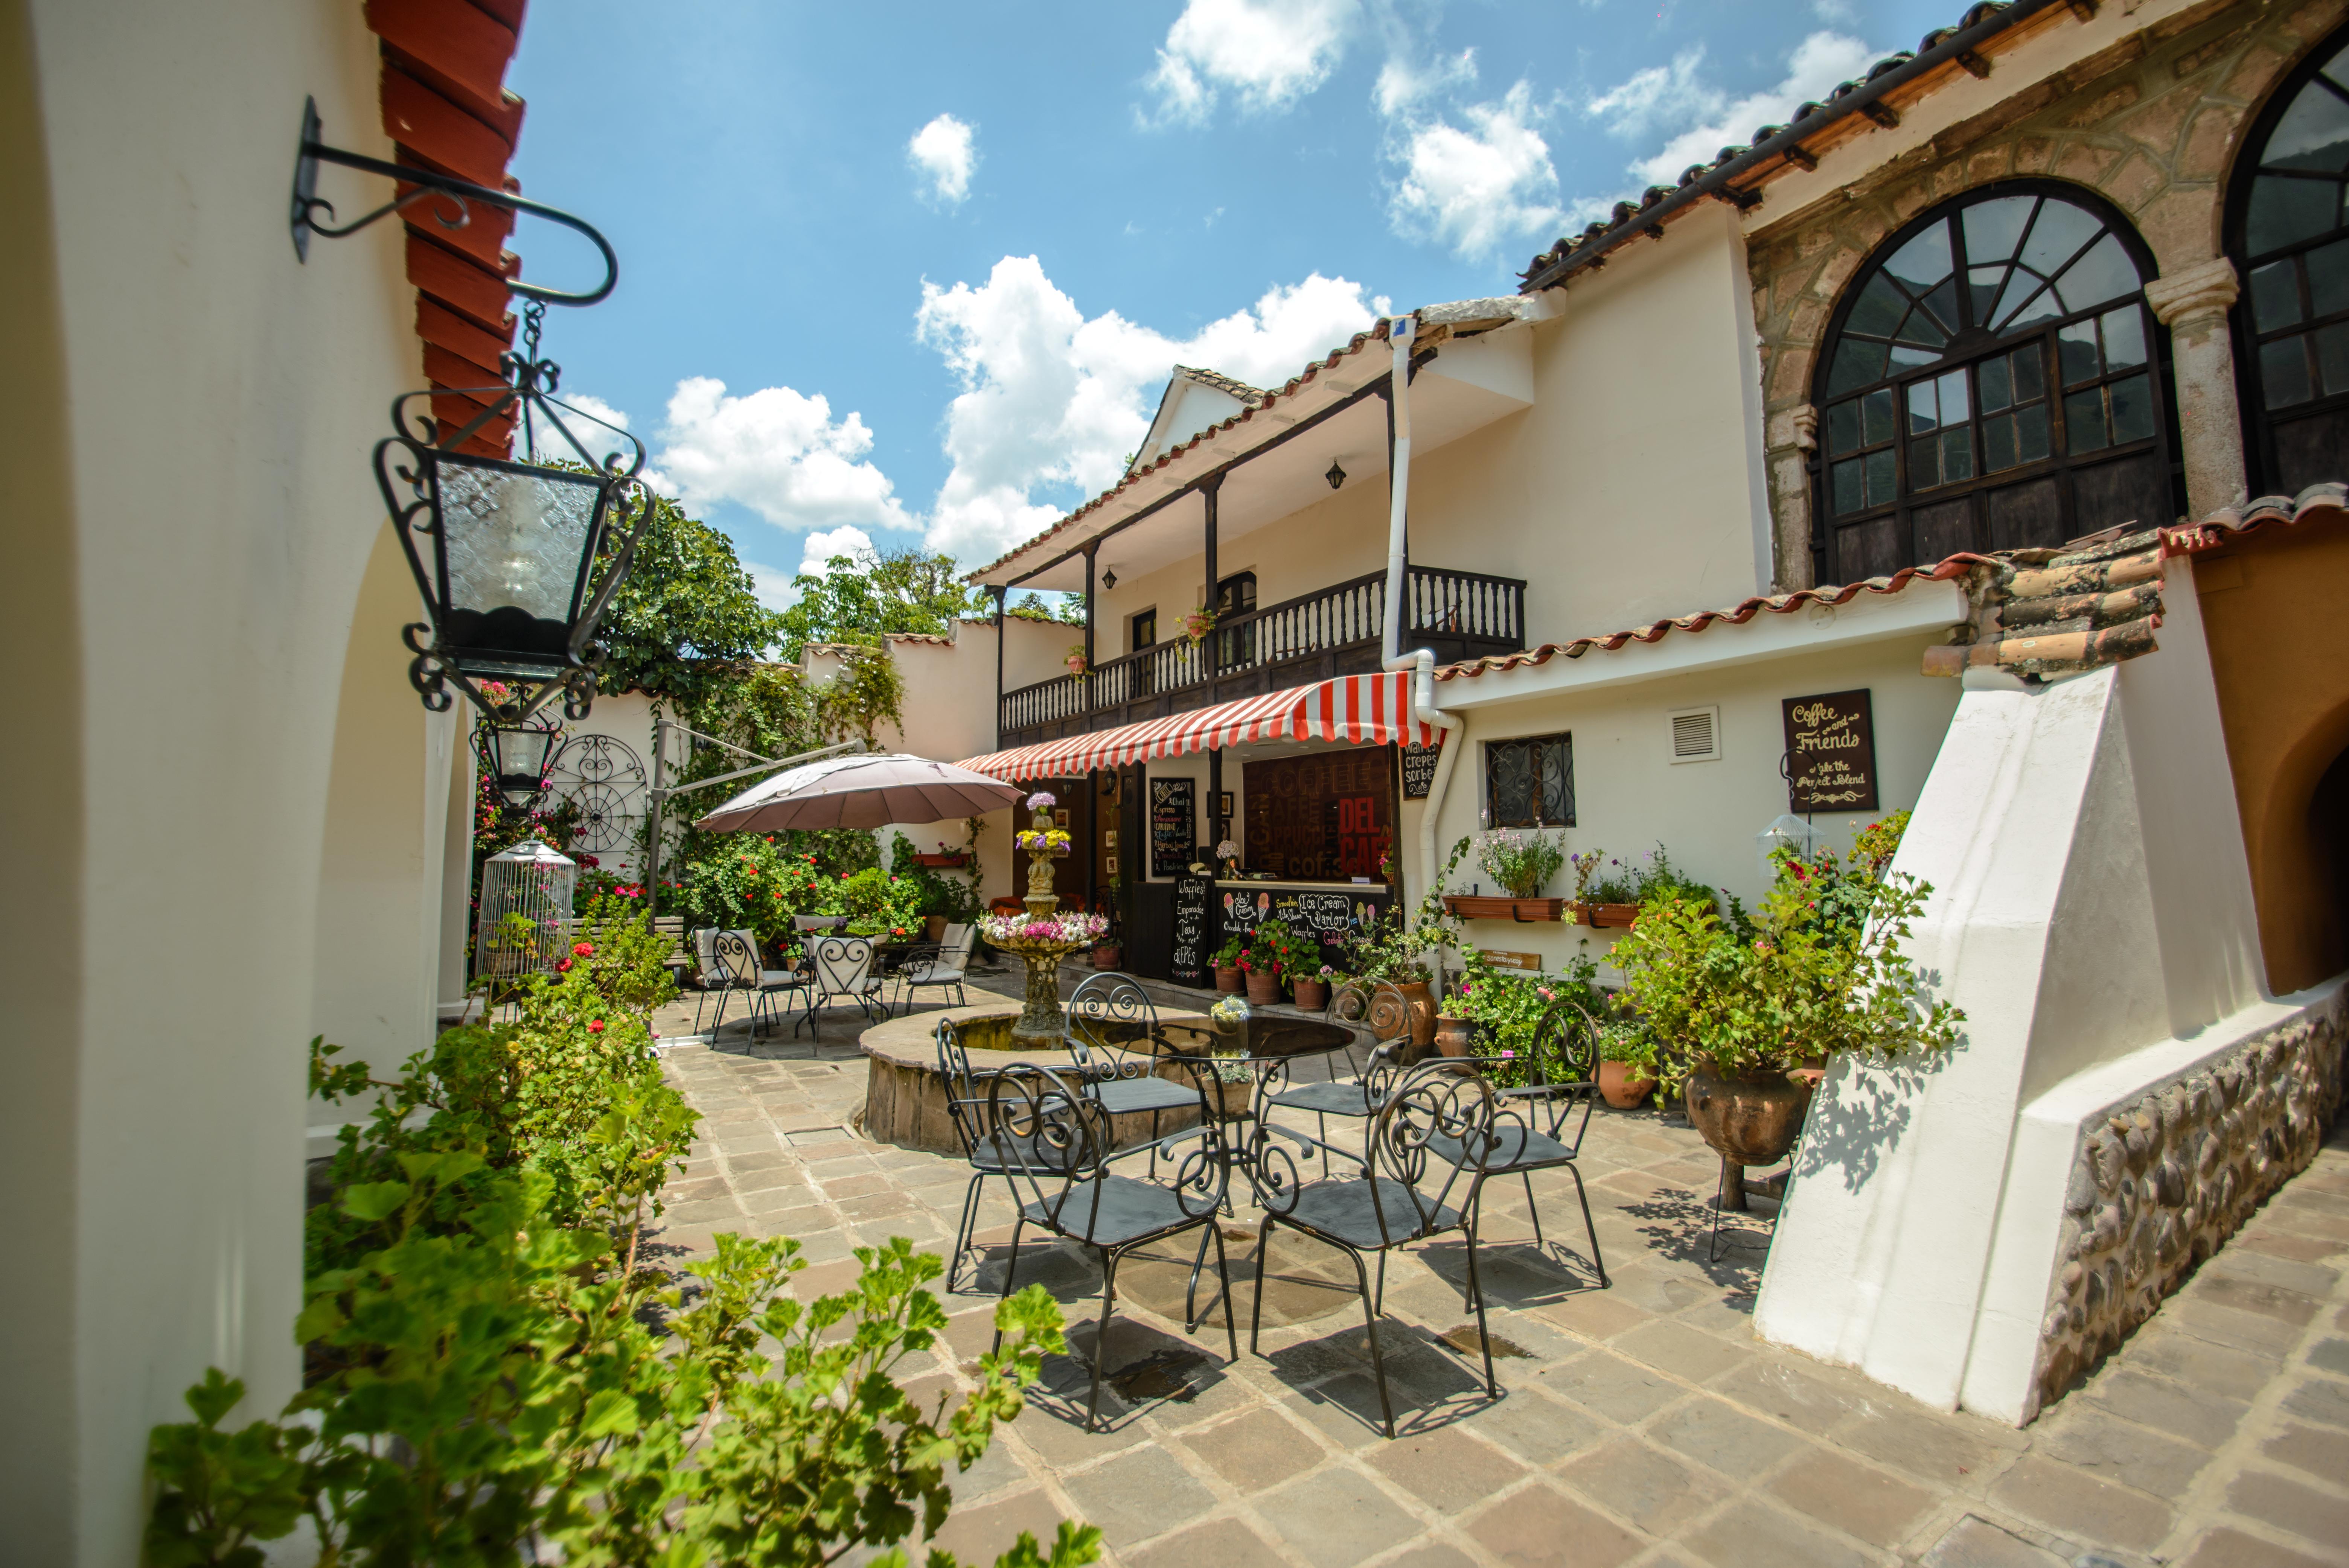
1544,993
596,1027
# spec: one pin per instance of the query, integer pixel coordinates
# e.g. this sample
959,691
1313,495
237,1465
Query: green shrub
1521,862
878,905
950,894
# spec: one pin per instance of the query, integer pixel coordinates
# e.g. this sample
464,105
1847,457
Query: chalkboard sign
1830,753
1192,934
1418,771
1173,811
1334,914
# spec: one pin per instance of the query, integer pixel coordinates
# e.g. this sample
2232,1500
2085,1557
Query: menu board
1193,936
1419,771
1325,817
1173,813
1830,753
1334,914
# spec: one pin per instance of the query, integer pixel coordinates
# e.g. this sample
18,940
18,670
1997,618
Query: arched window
2288,237
1991,380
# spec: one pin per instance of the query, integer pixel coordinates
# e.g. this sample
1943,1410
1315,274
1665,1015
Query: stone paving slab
1642,1425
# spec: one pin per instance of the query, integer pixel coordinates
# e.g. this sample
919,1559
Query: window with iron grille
1993,380
2288,235
1529,782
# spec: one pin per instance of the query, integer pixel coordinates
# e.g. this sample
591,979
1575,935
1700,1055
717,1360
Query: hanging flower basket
1075,658
1198,624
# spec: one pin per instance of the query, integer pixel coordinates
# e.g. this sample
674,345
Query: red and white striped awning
1367,710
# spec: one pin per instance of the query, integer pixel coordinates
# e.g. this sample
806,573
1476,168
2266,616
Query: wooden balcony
1319,636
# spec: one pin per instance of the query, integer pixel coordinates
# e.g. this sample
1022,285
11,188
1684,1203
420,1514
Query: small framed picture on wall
1109,864
1224,804
1061,817
1109,840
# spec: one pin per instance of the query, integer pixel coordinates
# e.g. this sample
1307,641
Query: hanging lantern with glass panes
532,883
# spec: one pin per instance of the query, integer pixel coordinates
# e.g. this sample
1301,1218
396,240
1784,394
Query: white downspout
1422,660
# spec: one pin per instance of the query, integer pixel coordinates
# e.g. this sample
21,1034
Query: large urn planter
1455,1036
1749,1119
1422,1013
1624,1085
1263,986
1475,906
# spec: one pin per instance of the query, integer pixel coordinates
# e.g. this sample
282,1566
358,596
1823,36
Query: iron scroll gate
603,777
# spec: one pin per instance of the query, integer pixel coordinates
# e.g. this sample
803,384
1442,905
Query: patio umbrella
861,791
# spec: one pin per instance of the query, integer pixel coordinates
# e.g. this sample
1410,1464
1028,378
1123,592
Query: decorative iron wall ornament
603,777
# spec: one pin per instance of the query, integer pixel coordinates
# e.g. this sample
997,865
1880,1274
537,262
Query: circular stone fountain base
905,1098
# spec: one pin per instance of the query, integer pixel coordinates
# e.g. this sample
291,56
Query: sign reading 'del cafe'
1830,753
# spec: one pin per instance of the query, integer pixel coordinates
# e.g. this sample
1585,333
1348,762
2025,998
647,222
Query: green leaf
374,1200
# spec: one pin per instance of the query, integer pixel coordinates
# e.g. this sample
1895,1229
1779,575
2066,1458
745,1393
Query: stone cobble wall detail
2151,124
2161,1185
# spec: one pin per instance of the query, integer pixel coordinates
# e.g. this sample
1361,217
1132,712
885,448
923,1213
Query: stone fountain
1043,936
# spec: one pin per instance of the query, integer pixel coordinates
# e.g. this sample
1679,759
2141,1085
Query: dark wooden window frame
1563,741
1134,641
2271,469
1948,529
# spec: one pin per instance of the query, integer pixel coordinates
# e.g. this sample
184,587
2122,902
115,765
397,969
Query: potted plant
1259,966
943,859
1584,864
1231,1081
1075,659
1456,1031
1227,966
1627,1064
1817,971
1108,952
1522,863
1397,952
1312,991
1611,899
1198,624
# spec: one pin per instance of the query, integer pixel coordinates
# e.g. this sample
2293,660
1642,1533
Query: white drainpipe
1422,660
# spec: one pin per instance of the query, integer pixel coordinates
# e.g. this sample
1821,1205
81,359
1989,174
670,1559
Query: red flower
583,949
596,1027
564,967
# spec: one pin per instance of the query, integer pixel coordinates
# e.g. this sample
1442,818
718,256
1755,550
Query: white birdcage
1785,831
531,881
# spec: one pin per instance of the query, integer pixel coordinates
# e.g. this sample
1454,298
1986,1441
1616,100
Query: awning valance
1367,710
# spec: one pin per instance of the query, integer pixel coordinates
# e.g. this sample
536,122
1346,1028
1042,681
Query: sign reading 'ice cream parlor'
1830,753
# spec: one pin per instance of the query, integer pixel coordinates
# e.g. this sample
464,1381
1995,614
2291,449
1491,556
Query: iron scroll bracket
453,209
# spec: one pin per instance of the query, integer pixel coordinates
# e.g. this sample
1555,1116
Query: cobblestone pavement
1641,1424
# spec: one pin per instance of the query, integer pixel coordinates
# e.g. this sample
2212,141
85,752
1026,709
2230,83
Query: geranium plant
1521,860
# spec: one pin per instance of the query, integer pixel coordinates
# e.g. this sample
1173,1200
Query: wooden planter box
1527,910
939,863
1622,916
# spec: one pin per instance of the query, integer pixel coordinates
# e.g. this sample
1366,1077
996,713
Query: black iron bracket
453,207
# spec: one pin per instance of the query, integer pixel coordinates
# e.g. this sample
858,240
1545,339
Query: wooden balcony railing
1316,636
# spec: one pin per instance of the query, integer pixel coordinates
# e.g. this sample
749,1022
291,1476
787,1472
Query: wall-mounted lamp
1109,581
1336,475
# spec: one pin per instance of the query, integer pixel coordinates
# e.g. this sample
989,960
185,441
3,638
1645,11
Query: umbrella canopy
863,792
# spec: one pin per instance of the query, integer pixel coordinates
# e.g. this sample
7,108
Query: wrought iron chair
1107,1013
775,984
729,967
842,971
938,964
1382,1207
967,1109
1052,1138
1529,1129
1382,1008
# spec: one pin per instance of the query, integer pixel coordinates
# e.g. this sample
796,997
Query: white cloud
944,153
780,453
1051,398
1478,186
824,544
769,587
1269,52
1700,119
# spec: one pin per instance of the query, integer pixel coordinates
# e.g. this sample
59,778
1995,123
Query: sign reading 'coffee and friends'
1830,753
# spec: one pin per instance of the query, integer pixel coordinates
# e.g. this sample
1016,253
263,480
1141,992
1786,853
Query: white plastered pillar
2193,303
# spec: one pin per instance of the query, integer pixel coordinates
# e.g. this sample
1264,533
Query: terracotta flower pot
1312,995
1263,986
1750,1120
1108,955
1455,1036
1423,1012
1227,977
1622,1090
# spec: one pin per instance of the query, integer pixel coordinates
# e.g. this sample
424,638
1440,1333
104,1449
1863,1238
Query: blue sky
916,273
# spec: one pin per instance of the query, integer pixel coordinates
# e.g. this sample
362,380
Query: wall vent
1696,735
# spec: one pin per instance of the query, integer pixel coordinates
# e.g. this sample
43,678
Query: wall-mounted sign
1173,813
1830,753
1335,916
1418,771
1194,934
1523,963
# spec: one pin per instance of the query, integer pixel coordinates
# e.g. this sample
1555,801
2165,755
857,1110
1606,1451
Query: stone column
2193,305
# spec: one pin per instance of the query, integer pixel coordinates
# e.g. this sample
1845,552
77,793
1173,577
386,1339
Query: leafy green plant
950,894
1397,949
1287,952
1522,861
879,904
1626,1042
1509,1006
750,882
1227,957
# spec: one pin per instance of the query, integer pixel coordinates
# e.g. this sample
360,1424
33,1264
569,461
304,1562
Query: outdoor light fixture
517,561
1336,475
518,753
1109,581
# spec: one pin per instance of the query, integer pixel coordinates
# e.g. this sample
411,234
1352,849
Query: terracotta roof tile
431,126
2319,502
1240,390
2038,612
456,47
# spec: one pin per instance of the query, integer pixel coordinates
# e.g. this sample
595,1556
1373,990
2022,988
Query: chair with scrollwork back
1050,1137
1109,1014
842,968
730,965
1384,1205
1381,1009
966,1090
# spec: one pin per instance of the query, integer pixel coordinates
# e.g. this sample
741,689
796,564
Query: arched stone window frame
2041,499
2297,441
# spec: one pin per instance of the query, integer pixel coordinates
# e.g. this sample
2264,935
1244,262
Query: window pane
2084,421
1984,283
1513,782
1954,405
1876,416
1879,476
2328,278
1849,495
1997,386
2123,337
1923,261
2314,133
2104,273
1922,407
1909,356
1858,362
1944,302
2284,209
2020,284
1924,473
2057,235
2030,438
2044,305
2275,296
2333,357
1556,807
2283,373
2132,409
1843,427
2075,351
1993,228
1957,454
1998,443
2030,379
1878,309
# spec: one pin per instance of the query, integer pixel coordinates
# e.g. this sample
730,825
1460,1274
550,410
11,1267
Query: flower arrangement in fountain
1015,932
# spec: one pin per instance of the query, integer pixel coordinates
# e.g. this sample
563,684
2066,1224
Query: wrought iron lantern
520,754
1337,474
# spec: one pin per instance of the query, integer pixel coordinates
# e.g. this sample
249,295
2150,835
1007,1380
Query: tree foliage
686,615
862,599
1032,606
